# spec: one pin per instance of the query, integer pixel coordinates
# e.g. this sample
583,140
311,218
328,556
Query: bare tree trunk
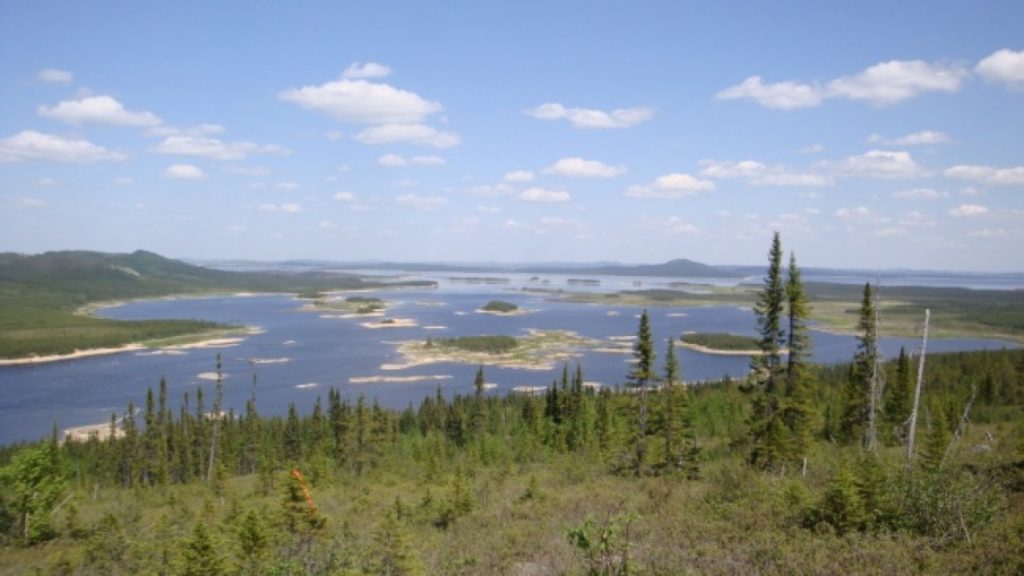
917,392
875,392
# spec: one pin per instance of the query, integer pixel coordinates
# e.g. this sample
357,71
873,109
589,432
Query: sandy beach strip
719,352
398,379
71,356
209,343
391,323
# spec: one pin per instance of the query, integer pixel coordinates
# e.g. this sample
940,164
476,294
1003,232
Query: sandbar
398,379
391,323
211,376
71,356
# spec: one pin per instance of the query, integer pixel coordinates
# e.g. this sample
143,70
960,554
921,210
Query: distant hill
673,269
73,278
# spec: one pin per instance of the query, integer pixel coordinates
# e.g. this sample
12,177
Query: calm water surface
325,352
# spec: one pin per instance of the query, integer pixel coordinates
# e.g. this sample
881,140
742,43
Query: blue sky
875,135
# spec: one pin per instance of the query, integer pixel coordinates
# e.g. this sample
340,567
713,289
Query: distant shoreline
70,356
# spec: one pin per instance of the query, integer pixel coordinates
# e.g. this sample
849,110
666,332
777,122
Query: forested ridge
796,468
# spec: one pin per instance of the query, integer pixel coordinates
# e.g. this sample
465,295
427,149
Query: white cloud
397,161
184,172
55,76
920,194
988,233
362,102
421,202
676,225
968,210
882,84
334,135
489,209
781,95
590,118
916,139
206,147
886,164
813,149
861,215
518,176
580,168
897,80
99,109
988,175
124,181
344,197
669,186
412,133
760,174
286,186
31,145
327,225
543,195
286,208
27,202
1005,66
46,182
368,70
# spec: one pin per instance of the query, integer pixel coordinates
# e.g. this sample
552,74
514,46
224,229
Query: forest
912,465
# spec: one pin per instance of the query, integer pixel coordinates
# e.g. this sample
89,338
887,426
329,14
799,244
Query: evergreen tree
936,442
768,430
252,543
200,556
857,409
898,396
34,477
478,418
293,435
640,377
799,405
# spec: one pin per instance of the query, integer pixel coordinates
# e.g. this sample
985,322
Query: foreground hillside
39,297
534,485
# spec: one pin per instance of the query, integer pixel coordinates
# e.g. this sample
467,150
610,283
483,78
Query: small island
501,308
351,307
720,343
538,350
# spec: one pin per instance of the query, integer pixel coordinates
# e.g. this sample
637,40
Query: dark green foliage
768,430
487,344
201,556
857,409
36,485
898,396
605,546
641,376
720,341
500,306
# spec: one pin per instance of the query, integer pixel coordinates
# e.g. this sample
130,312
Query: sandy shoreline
719,352
72,356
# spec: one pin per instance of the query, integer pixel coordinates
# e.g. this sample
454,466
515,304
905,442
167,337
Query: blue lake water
326,352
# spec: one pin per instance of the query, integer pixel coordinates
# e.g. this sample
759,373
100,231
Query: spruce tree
200,556
799,406
898,397
857,409
478,419
768,430
640,377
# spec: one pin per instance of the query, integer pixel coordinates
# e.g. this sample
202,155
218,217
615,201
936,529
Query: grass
720,341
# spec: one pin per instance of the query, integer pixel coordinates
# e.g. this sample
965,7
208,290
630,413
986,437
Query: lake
323,352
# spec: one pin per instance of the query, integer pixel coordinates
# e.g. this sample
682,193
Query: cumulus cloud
518,176
897,80
362,102
421,202
987,174
885,164
344,197
398,161
368,70
28,202
813,149
781,95
1003,66
537,194
184,172
54,76
916,139
968,210
98,109
883,84
30,145
760,174
920,194
668,186
580,168
214,148
411,133
591,118
285,208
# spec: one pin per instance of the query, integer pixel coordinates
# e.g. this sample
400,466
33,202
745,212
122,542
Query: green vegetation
486,344
720,341
40,295
500,306
749,477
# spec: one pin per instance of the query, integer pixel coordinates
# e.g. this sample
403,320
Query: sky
871,135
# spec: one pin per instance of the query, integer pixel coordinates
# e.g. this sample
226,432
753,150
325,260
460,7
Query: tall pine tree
641,377
768,430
